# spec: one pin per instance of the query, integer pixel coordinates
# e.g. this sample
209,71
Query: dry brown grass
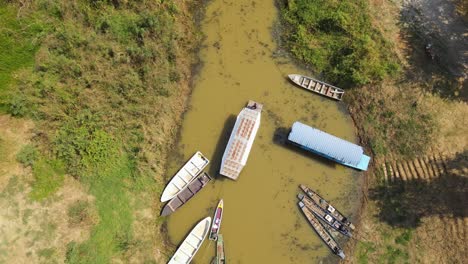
29,227
438,238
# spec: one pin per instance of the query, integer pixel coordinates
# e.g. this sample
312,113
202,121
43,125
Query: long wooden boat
184,176
220,257
326,206
241,140
321,231
317,86
324,216
186,194
216,225
192,243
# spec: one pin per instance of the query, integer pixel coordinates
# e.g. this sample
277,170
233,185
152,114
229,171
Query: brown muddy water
261,222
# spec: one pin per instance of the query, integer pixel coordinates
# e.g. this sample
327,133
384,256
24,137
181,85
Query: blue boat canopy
328,146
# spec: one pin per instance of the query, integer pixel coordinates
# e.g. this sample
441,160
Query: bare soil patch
33,232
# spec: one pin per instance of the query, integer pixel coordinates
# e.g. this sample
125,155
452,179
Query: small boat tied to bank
220,257
317,86
184,176
216,225
186,194
324,216
241,140
191,243
322,203
321,231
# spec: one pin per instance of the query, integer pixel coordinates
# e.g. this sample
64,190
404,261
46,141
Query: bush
27,155
84,146
338,40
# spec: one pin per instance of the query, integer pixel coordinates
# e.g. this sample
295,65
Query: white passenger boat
241,140
192,243
184,176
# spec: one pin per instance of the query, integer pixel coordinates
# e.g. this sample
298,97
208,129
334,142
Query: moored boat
328,146
216,225
191,243
318,200
184,176
241,140
186,194
324,216
220,257
321,231
317,86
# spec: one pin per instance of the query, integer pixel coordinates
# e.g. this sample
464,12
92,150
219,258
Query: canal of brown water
261,222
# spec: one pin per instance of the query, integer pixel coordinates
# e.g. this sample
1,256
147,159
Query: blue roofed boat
328,146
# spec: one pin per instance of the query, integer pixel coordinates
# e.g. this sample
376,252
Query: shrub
27,155
338,40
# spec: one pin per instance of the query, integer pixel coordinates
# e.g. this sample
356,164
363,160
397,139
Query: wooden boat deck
193,188
317,86
326,206
324,216
321,231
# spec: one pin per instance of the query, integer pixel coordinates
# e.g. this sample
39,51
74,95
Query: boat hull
317,86
216,224
241,140
184,176
324,216
321,231
186,194
189,247
322,203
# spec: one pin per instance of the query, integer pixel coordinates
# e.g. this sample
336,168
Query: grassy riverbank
402,113
106,83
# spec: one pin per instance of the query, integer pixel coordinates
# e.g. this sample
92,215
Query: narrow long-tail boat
220,257
324,216
192,243
326,206
317,86
321,231
186,194
216,225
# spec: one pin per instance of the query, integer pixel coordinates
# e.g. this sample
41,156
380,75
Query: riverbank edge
345,108
197,13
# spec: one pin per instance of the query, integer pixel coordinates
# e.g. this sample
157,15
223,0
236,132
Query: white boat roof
240,142
184,176
191,243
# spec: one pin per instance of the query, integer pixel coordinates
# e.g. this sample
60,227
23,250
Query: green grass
338,40
114,231
363,250
104,94
19,41
48,177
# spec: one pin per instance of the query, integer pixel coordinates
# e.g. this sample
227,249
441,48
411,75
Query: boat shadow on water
280,138
220,147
